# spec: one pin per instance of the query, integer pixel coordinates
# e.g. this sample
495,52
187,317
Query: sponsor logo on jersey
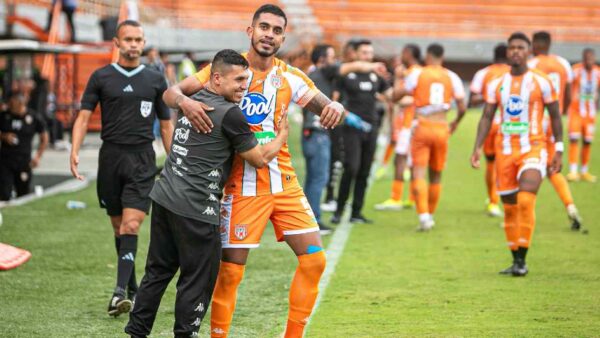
240,231
255,107
177,172
515,105
146,108
179,150
365,86
184,120
128,89
182,135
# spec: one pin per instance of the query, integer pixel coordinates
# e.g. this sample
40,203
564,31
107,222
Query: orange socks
511,228
389,151
397,190
561,186
420,191
435,190
573,151
224,297
585,156
490,182
303,292
526,217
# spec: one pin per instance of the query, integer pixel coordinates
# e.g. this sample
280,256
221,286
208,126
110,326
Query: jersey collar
128,73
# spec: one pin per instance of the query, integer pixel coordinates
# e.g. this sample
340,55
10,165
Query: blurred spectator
154,60
18,125
187,67
170,72
68,7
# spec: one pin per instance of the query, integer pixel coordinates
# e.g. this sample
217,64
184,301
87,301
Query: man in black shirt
185,230
18,125
360,91
130,98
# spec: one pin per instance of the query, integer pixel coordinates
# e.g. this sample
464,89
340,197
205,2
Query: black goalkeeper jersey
130,99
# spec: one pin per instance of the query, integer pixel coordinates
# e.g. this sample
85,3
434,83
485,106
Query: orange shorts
581,126
489,145
429,144
244,218
510,166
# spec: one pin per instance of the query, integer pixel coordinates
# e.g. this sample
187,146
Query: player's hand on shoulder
196,113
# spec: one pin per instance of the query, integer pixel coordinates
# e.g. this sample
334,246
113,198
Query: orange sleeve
203,75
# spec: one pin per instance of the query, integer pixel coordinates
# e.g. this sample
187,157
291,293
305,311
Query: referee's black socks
132,285
125,267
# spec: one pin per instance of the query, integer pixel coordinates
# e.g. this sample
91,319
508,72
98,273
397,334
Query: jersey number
436,93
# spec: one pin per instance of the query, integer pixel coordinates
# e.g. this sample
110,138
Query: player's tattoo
317,103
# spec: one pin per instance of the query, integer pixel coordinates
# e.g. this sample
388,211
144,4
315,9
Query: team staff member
18,125
255,196
433,88
521,95
478,92
359,90
129,94
186,201
582,114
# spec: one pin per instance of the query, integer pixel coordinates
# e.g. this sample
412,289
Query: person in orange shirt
561,75
582,114
521,95
433,88
478,95
255,196
401,133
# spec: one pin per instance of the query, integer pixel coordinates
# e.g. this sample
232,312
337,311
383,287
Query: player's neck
518,70
258,62
128,63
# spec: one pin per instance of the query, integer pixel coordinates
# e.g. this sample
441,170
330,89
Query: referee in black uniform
184,230
130,97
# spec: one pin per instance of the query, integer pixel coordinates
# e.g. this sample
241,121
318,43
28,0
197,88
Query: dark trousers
177,242
337,156
358,156
15,172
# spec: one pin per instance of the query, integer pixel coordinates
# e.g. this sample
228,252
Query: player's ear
249,31
116,41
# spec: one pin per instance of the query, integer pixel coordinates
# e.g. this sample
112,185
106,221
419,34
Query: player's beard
264,54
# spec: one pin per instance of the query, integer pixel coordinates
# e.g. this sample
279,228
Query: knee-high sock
224,298
586,152
526,217
420,190
573,153
126,261
435,190
561,186
397,190
132,283
510,226
303,292
490,182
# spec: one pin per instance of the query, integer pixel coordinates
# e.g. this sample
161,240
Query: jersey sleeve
492,88
477,82
91,95
162,110
204,74
303,89
568,69
410,82
237,131
458,89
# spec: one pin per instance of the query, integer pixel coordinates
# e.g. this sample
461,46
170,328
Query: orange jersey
585,90
521,101
268,95
485,75
433,88
409,112
558,70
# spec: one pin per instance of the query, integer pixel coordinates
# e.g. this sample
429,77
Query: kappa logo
182,135
210,211
146,108
213,186
256,107
240,231
128,89
179,150
515,105
184,120
218,330
196,322
213,198
214,173
199,308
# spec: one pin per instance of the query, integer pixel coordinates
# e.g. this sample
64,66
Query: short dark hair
351,44
227,57
436,50
500,52
362,42
124,23
414,49
269,8
519,36
588,50
542,36
318,52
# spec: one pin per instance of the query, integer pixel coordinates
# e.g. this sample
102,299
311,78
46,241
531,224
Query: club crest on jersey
276,81
146,108
240,231
515,105
255,107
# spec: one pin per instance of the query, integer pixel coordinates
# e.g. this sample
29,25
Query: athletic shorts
489,145
126,176
581,126
397,126
402,141
509,167
244,218
429,144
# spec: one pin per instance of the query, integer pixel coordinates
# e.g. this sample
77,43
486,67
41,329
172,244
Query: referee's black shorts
126,175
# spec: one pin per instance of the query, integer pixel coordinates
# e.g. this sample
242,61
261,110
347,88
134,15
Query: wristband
559,146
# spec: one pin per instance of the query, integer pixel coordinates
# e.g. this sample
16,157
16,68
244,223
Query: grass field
390,282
